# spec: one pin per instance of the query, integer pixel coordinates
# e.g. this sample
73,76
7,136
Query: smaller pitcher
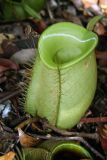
57,150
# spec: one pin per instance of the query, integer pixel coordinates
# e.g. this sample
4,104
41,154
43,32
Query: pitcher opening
70,151
65,44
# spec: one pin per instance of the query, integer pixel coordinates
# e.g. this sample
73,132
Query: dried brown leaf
101,55
24,56
9,156
6,36
103,136
6,64
89,3
103,5
100,29
26,140
8,48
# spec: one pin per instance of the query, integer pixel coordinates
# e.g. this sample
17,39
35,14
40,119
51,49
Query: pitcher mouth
62,45
70,151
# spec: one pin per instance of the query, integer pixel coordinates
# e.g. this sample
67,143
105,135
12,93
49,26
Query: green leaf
93,22
31,11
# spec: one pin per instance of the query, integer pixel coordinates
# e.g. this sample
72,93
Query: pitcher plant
64,75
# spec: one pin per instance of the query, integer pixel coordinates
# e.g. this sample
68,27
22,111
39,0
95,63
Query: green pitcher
57,150
64,76
21,9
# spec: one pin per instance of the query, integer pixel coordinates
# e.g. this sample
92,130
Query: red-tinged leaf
2,69
6,64
101,55
40,25
2,79
103,137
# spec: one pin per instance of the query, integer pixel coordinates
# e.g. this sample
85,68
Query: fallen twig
3,94
62,132
10,95
94,120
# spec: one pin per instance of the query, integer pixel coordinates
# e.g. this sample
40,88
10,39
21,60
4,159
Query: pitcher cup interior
65,44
